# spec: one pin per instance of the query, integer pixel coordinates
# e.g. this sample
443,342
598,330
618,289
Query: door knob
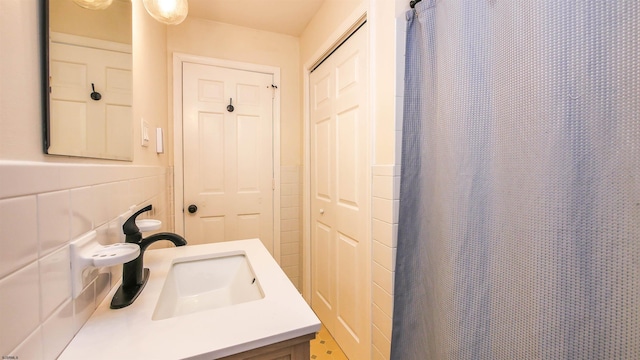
321,211
192,209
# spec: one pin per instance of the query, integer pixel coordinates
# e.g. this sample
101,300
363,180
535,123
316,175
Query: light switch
159,141
144,132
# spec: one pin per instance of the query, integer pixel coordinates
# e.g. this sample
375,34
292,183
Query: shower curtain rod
413,3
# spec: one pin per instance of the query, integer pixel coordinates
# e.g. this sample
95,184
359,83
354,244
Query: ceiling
282,16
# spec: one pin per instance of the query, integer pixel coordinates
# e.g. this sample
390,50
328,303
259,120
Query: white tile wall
53,220
377,355
382,321
385,191
23,245
82,210
290,219
31,348
102,203
43,206
20,304
57,330
382,277
385,206
381,345
55,280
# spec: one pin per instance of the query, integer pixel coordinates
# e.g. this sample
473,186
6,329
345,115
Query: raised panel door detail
348,148
228,161
248,150
349,288
70,126
119,81
68,107
214,227
248,226
74,69
119,134
340,189
321,91
210,91
248,94
212,153
347,73
323,265
68,75
322,159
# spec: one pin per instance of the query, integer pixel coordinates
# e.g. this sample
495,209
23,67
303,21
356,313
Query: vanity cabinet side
293,349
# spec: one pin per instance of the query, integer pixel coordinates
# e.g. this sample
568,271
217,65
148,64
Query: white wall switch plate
159,141
144,132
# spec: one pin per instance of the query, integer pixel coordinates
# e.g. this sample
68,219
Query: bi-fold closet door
340,195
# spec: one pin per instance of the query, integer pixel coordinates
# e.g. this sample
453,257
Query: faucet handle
130,227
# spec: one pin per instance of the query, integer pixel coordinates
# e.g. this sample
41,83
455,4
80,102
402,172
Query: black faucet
134,275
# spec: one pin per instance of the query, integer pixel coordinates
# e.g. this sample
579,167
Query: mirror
89,80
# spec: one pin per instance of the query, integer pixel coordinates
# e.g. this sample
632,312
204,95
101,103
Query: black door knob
192,209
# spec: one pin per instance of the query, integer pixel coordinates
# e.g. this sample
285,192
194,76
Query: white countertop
130,333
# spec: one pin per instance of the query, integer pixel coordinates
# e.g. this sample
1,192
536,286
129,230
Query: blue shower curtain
519,226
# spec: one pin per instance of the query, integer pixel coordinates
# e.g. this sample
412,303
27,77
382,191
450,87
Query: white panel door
83,126
228,155
340,192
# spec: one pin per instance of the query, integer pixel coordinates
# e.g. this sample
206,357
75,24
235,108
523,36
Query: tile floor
323,347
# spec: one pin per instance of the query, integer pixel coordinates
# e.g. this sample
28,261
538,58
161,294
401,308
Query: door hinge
273,184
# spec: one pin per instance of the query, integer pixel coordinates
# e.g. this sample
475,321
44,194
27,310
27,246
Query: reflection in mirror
90,81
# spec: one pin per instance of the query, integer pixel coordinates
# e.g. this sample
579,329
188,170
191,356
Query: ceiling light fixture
93,4
170,12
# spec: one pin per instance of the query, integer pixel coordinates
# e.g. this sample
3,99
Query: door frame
178,166
352,22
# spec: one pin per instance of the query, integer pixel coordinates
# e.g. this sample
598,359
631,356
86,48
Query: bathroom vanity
226,300
294,349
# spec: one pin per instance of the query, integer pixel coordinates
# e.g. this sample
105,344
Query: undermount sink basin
198,284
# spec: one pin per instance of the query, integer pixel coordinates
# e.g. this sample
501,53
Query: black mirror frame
44,69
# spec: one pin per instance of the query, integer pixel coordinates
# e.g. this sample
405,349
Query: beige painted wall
20,93
236,43
329,17
383,61
20,88
150,85
111,24
382,18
